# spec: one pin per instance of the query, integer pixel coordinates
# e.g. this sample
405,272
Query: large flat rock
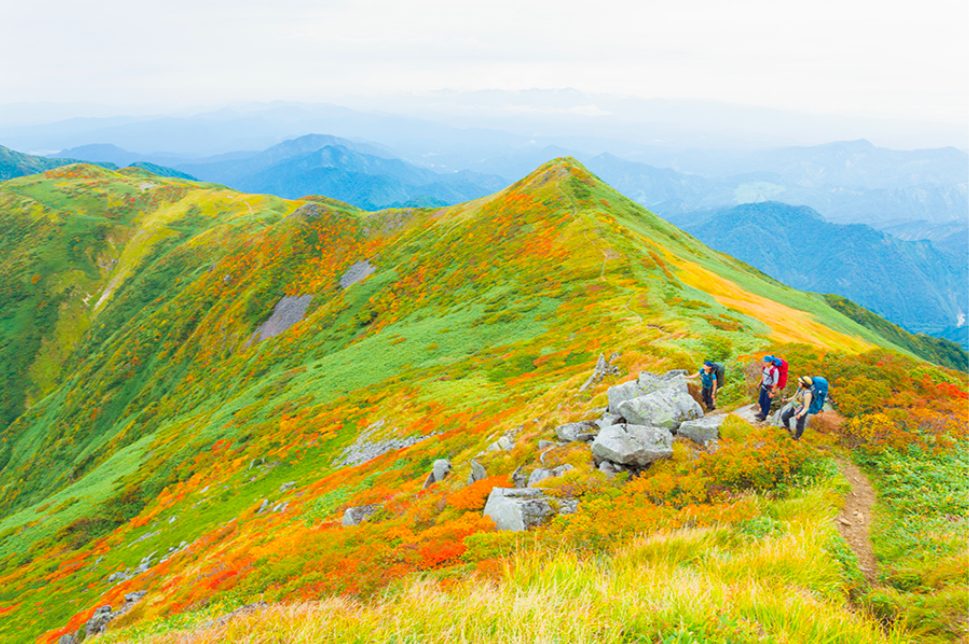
634,445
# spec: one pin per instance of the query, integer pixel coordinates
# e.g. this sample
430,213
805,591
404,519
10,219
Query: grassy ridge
164,423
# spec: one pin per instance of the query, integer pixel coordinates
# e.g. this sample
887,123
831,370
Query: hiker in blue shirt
810,396
709,383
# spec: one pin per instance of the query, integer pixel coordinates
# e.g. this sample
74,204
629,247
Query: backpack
720,373
781,365
819,393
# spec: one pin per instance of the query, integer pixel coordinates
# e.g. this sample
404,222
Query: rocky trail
854,522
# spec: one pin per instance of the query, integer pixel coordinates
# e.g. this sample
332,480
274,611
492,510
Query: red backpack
781,365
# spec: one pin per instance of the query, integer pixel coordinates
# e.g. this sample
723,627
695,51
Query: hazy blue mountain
359,173
911,283
364,180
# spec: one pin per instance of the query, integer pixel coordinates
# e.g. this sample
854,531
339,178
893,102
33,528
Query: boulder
478,472
633,445
546,444
650,382
701,430
621,393
607,419
517,509
359,514
541,473
439,472
665,408
99,620
775,418
609,469
583,431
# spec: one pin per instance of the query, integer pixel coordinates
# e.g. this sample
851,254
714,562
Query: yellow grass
787,325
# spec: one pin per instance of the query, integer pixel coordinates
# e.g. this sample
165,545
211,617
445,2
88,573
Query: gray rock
518,477
649,382
517,509
775,418
607,419
363,449
545,444
69,638
504,444
287,486
281,507
133,598
541,473
602,369
701,430
287,312
359,271
359,514
308,211
609,469
439,472
567,506
583,431
478,472
121,575
665,408
99,620
621,393
633,445
262,506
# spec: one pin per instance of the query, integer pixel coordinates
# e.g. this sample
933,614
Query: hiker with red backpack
769,379
711,377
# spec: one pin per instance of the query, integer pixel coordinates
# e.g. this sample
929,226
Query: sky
889,60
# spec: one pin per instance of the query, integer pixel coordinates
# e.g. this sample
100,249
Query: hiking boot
759,418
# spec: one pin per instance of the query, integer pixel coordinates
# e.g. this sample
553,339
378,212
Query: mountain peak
559,170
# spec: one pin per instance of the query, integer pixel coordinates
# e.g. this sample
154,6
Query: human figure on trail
768,386
810,397
711,379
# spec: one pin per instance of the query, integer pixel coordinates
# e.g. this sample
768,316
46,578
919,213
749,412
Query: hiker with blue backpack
711,377
810,397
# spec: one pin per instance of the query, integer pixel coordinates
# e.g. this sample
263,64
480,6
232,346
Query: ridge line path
854,520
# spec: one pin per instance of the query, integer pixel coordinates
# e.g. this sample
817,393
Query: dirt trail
854,522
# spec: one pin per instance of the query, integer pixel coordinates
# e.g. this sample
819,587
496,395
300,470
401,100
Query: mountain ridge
162,425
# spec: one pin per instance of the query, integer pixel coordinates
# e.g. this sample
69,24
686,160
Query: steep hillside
911,283
201,382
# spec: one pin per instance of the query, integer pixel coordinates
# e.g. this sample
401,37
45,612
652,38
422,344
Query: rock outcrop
583,431
542,473
633,445
701,430
359,514
287,312
439,472
519,509
666,408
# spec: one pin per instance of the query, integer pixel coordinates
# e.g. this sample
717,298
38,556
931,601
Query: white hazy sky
889,59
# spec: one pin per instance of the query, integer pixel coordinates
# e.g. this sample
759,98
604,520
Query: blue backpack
819,393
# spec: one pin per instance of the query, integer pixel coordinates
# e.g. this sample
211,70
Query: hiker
711,379
768,387
810,397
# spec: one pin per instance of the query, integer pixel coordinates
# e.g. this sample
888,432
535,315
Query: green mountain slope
190,370
17,164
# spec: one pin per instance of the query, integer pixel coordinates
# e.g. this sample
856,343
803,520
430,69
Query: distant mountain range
363,174
913,283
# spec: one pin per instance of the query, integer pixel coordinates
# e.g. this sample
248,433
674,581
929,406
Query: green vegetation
145,422
937,350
